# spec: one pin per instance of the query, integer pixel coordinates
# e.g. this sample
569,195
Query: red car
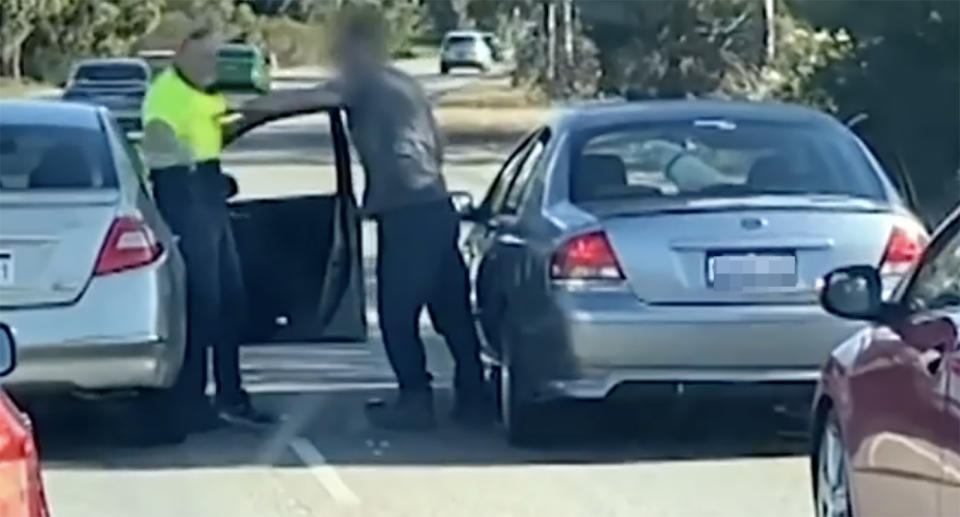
21,487
886,417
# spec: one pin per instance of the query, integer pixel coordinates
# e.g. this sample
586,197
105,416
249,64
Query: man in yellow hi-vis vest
184,130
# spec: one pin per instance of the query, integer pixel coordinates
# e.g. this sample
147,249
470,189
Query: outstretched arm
280,104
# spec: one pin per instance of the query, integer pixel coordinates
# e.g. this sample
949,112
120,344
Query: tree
906,76
18,19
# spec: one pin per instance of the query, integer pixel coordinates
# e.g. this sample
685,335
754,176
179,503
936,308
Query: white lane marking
324,473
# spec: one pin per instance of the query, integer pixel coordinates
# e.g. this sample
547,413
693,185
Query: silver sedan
91,280
674,244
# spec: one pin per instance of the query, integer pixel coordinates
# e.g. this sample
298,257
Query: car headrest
62,166
772,172
597,174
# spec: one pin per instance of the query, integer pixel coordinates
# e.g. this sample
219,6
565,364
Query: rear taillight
21,487
904,249
130,243
587,257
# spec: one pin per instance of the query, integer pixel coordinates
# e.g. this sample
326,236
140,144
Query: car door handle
510,240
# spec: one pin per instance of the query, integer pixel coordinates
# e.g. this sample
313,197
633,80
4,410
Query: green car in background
242,67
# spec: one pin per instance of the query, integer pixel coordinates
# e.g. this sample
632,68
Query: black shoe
409,412
474,411
245,415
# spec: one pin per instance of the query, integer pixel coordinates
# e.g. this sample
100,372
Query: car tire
831,480
522,419
444,69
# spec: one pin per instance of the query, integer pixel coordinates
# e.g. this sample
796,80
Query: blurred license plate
6,268
745,271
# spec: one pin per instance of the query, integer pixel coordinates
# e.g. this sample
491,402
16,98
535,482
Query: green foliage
906,76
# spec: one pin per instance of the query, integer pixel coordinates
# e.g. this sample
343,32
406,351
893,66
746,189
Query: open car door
301,256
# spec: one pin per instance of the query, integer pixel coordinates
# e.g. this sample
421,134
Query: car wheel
832,488
522,419
444,69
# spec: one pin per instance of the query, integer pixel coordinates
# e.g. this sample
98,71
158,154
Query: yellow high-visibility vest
195,116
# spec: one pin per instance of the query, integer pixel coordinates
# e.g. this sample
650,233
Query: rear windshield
719,158
53,157
111,72
461,40
236,53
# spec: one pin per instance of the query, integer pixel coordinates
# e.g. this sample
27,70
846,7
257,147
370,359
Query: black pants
419,263
194,205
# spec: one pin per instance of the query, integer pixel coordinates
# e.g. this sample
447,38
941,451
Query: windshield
457,41
110,72
703,159
37,157
237,53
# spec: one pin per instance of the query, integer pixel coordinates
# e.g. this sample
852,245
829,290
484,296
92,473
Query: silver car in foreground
674,243
91,281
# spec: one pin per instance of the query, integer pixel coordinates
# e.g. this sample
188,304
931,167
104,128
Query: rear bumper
127,330
593,343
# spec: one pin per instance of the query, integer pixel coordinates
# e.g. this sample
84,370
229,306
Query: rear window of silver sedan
34,157
720,158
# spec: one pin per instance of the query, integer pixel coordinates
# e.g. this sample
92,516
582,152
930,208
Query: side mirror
7,350
463,204
853,292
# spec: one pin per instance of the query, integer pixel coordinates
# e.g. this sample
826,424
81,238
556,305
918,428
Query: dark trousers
194,206
419,264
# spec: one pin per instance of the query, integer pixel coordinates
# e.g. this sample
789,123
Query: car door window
937,281
521,180
498,191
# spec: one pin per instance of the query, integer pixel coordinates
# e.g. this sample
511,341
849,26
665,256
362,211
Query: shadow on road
78,434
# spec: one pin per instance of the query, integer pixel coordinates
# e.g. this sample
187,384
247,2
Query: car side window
495,196
524,174
936,284
128,156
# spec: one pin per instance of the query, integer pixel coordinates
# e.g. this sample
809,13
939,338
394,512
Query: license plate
747,271
6,268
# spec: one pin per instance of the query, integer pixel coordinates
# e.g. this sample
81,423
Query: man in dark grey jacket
419,263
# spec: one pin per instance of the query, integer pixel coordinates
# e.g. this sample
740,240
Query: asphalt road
635,459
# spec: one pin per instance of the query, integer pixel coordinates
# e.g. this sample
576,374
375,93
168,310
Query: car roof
112,61
156,53
610,113
466,33
49,112
238,46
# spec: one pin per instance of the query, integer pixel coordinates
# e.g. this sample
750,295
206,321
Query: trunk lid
743,251
49,244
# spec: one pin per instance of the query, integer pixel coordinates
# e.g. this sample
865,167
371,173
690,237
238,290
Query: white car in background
469,49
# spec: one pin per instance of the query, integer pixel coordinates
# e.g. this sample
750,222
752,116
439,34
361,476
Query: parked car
116,83
21,486
242,67
468,49
886,420
601,261
157,60
91,278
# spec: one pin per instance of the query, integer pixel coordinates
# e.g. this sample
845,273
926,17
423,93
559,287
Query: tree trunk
770,35
551,16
